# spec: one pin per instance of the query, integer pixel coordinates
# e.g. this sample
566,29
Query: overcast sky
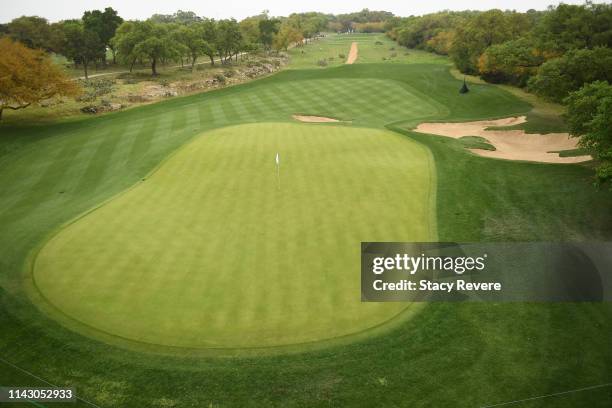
55,10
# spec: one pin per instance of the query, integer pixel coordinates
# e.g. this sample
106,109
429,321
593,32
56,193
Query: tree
286,36
249,28
267,29
31,31
81,45
104,24
180,17
589,115
559,76
157,44
191,37
482,31
513,62
127,36
442,42
228,39
569,27
29,76
209,35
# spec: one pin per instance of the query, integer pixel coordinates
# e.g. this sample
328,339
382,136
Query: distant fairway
209,252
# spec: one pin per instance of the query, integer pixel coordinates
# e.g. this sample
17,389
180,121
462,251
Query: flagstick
277,160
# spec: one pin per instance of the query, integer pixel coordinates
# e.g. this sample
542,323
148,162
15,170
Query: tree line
180,37
27,74
563,54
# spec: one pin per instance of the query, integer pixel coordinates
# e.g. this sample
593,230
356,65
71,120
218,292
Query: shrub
558,77
589,114
322,62
94,88
378,43
513,62
220,78
341,56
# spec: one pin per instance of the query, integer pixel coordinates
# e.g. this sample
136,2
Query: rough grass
476,142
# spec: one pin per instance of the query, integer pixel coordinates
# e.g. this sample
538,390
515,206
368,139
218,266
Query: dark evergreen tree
464,89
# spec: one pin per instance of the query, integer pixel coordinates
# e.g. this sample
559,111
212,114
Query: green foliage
482,31
228,38
191,39
180,17
103,23
560,76
510,62
95,87
32,31
148,41
416,32
503,46
267,30
81,45
366,21
568,26
589,115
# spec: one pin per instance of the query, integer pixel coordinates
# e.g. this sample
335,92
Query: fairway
212,251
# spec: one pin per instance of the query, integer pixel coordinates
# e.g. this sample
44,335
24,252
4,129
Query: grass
476,142
330,47
572,152
226,234
544,117
447,354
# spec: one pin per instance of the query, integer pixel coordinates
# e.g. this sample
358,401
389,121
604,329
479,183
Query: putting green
209,252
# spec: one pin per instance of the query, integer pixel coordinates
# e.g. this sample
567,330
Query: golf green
214,250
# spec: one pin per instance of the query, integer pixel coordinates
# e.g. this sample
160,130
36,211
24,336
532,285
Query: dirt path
510,144
353,54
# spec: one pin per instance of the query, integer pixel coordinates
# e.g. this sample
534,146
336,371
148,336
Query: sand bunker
510,144
353,53
314,119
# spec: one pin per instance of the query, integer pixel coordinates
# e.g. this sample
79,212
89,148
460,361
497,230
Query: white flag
277,159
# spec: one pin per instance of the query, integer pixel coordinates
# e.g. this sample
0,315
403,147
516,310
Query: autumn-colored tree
286,36
29,76
510,62
441,43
